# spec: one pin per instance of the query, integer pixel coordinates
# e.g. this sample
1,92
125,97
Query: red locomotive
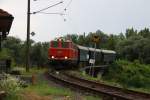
62,52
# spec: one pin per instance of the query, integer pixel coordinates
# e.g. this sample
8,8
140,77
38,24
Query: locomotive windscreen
65,44
61,44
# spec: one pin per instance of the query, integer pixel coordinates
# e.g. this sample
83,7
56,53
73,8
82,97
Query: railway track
97,88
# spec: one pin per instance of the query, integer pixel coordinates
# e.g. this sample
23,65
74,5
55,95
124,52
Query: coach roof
109,51
82,47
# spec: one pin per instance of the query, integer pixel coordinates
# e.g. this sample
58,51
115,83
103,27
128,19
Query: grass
33,71
98,79
145,90
43,88
92,98
111,82
13,97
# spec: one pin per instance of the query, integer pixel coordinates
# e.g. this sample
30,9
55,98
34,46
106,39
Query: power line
47,7
52,13
61,13
68,5
64,10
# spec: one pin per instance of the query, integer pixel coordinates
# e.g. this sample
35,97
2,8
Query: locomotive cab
62,52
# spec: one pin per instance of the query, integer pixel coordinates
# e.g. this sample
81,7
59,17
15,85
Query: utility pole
28,31
94,59
0,41
28,38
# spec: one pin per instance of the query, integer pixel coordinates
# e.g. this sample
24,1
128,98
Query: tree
103,39
145,33
111,43
36,54
74,38
39,54
121,36
14,45
81,40
130,32
135,47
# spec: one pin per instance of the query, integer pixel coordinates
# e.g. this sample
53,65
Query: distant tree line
15,49
131,45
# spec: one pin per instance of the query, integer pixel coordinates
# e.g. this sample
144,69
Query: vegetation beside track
130,75
124,74
131,45
45,90
42,87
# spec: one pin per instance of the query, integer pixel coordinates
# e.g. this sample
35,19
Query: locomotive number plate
59,52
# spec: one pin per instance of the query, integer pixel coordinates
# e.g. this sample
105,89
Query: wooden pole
28,39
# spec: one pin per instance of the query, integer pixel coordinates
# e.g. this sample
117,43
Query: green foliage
130,45
145,33
15,49
111,43
14,46
136,45
5,54
43,88
39,54
92,98
130,74
11,86
130,32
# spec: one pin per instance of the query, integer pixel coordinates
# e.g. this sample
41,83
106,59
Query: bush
10,84
130,74
6,54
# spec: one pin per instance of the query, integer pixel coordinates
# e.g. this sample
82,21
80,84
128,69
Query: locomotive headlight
52,57
66,57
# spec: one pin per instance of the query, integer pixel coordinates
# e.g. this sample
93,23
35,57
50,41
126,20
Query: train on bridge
65,52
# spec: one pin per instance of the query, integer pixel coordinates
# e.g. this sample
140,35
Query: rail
98,88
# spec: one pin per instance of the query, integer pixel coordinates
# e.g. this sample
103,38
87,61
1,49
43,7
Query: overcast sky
110,16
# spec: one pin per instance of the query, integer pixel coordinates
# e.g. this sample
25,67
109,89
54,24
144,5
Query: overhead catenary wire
64,10
68,5
40,11
52,13
47,7
57,13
